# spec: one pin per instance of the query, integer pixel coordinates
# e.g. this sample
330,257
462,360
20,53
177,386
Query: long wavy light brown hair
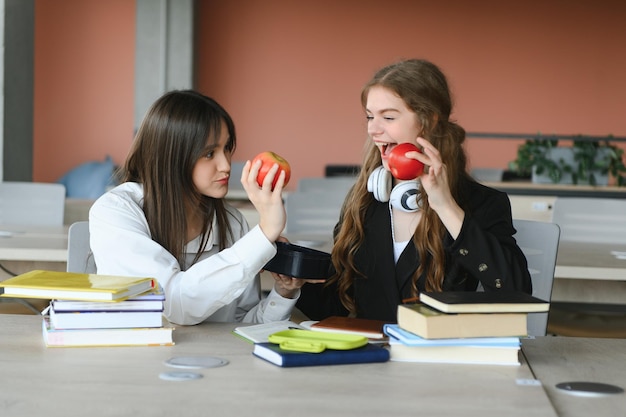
424,89
179,128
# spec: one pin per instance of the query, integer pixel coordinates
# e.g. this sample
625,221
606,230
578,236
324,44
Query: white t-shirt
398,248
223,286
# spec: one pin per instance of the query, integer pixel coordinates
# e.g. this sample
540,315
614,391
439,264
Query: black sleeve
486,248
318,301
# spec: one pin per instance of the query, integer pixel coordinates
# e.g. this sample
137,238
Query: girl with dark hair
168,219
453,234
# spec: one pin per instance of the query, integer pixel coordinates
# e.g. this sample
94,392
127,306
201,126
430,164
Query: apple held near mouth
268,160
404,168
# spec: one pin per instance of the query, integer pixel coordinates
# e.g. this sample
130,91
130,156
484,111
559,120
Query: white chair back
313,213
79,255
314,208
326,184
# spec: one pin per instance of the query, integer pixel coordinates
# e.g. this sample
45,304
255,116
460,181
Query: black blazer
485,251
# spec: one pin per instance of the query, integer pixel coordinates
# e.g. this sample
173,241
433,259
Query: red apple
404,168
268,160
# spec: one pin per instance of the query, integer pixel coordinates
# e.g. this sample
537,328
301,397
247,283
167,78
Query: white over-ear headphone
403,196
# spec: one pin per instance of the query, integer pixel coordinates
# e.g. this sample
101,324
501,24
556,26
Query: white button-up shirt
222,286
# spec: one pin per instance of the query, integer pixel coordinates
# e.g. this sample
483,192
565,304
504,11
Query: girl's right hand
268,202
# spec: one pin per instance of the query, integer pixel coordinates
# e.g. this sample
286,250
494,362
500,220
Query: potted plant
585,162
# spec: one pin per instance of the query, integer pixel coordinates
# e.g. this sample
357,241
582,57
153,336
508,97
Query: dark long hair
424,88
172,137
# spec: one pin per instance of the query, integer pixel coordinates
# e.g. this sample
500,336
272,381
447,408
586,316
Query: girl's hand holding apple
268,159
268,200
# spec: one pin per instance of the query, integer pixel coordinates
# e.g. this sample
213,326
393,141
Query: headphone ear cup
379,184
404,196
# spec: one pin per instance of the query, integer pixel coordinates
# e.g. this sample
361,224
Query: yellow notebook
75,286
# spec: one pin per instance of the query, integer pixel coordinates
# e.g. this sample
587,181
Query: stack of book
303,347
134,321
462,327
289,344
95,310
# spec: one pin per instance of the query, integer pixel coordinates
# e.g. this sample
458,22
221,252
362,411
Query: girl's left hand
267,202
288,286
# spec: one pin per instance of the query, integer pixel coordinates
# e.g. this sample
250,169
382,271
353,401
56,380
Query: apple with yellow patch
268,159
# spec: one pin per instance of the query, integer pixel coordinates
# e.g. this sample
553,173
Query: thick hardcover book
430,323
145,336
285,358
105,319
457,354
484,302
372,329
150,301
75,286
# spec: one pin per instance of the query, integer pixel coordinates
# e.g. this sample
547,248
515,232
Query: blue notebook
398,335
271,352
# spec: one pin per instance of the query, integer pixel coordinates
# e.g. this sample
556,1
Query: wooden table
24,248
33,243
584,260
558,190
590,273
575,260
565,359
118,382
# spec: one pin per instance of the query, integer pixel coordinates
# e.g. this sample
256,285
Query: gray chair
32,203
313,213
314,208
236,167
326,184
540,242
79,255
342,170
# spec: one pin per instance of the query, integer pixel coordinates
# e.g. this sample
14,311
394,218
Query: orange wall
290,72
84,77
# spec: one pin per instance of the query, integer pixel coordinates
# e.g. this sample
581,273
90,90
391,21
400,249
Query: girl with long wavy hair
442,231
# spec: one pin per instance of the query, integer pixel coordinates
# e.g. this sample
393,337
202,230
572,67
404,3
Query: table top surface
33,243
122,381
584,260
561,190
565,359
575,260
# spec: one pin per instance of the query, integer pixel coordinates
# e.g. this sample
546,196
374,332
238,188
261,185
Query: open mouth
386,148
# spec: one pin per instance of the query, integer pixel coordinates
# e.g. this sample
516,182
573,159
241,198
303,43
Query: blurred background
290,72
